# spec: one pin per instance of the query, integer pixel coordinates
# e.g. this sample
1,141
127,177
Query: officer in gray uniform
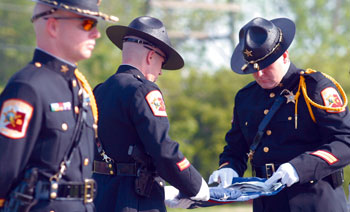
292,124
48,115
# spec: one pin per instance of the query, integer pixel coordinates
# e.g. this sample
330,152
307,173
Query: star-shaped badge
289,96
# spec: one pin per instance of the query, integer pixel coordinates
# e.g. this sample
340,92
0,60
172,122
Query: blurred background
200,97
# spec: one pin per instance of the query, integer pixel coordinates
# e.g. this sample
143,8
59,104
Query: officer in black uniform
133,126
48,115
293,124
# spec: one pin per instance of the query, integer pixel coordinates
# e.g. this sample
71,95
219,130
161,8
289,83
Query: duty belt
336,179
66,190
120,169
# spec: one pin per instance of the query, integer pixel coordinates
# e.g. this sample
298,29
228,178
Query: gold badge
289,96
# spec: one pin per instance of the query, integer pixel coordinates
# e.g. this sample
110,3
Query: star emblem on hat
248,53
64,68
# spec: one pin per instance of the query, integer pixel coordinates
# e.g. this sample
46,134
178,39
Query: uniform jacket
315,150
36,124
132,111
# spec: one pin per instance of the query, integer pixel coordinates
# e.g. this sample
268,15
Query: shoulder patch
331,98
327,156
184,164
156,103
14,118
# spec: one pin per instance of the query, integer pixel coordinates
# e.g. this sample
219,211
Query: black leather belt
120,169
66,191
336,179
265,171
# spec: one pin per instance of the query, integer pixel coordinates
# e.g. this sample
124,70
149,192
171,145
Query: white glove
171,200
223,177
287,173
172,196
203,193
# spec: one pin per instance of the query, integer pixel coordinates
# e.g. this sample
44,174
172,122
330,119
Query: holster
21,198
144,182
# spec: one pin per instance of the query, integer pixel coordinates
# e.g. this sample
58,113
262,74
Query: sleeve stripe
327,156
2,202
184,164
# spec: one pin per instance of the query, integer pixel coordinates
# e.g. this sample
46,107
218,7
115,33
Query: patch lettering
327,156
14,118
184,164
156,103
331,98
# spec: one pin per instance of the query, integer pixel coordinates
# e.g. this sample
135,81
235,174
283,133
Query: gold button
74,83
54,186
302,72
76,109
52,211
311,181
53,195
161,183
110,166
111,172
290,118
272,95
268,132
86,161
266,111
94,126
246,123
37,64
266,149
64,126
138,76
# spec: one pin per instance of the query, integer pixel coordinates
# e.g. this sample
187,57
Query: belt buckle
270,169
89,190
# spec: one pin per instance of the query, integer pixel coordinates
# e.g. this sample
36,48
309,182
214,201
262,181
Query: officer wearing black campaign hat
283,123
133,127
48,115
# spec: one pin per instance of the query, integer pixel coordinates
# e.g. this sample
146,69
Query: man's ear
286,57
52,27
149,57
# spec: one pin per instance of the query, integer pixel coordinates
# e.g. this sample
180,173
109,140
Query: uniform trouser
63,205
117,194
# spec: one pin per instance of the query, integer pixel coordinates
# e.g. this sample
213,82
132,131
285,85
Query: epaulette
302,88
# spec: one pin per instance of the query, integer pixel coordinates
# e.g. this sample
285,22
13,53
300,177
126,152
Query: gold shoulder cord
302,86
88,89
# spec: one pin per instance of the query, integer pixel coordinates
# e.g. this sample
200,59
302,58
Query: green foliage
199,106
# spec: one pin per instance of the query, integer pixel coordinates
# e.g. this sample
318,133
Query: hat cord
255,62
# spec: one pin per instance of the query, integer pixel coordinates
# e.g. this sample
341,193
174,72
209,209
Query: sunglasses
87,23
146,43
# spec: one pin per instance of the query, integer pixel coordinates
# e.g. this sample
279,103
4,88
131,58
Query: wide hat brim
90,12
238,61
117,33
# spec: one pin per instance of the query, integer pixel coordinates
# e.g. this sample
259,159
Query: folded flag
241,189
